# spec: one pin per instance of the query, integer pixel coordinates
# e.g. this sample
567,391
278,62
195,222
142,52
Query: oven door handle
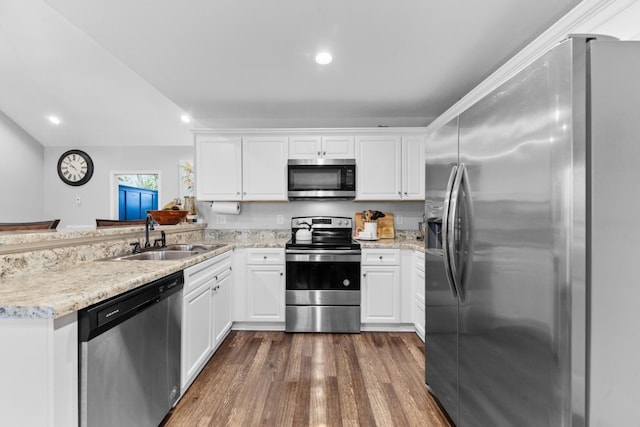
324,251
323,256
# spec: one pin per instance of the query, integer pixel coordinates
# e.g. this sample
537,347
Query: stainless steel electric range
323,276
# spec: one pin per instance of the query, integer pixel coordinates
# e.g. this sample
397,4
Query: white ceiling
121,72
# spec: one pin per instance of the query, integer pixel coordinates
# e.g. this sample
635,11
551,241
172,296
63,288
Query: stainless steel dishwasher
130,356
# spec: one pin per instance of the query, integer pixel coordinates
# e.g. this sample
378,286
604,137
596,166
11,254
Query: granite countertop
59,292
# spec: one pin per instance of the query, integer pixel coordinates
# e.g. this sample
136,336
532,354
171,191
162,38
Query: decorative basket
168,217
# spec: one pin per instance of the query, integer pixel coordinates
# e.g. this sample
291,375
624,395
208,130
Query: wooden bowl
168,217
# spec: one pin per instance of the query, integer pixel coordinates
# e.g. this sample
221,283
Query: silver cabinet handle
445,230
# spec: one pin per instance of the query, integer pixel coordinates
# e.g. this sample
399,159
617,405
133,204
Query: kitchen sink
168,253
156,255
189,247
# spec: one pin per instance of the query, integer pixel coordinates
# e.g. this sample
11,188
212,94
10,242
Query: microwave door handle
445,227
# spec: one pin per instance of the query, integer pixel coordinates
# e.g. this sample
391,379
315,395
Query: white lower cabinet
221,293
206,315
265,285
380,287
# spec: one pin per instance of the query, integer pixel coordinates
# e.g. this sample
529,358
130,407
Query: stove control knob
346,282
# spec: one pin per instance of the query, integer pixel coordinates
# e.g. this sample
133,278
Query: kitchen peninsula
47,277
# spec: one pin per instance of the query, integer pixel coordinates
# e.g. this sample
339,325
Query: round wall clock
75,167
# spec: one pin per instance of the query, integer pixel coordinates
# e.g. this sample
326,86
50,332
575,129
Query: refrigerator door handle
450,250
445,231
467,234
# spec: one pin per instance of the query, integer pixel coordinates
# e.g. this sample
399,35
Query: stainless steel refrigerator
533,214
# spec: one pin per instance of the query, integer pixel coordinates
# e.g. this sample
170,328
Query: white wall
60,199
21,174
260,215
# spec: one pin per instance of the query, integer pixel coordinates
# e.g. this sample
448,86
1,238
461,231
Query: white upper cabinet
321,147
413,167
390,167
218,162
251,165
235,168
264,168
378,167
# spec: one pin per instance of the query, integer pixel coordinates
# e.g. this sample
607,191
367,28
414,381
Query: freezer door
514,321
441,303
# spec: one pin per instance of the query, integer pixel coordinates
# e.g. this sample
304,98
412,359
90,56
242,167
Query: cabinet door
196,332
380,294
338,147
413,167
265,293
264,168
305,147
221,307
218,168
419,321
379,162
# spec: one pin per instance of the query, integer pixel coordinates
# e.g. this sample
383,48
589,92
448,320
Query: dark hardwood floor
281,379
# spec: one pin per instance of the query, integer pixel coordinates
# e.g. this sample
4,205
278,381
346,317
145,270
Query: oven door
323,291
323,278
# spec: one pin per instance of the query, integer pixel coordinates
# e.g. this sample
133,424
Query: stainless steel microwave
322,179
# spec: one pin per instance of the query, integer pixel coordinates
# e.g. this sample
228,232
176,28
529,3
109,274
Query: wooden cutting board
386,228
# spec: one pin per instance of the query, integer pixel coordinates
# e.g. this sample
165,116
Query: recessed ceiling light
185,118
54,119
324,58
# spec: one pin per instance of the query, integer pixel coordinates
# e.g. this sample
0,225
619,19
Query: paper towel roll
226,208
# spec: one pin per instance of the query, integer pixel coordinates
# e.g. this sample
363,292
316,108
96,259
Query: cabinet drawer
200,273
381,257
265,256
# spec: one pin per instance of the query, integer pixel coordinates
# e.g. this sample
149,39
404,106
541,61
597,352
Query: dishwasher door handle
146,304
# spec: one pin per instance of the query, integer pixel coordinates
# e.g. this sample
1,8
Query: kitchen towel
226,208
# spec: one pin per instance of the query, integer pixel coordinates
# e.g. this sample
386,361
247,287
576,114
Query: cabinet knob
265,257
364,274
318,154
324,153
405,193
380,257
245,193
399,193
281,273
216,277
238,193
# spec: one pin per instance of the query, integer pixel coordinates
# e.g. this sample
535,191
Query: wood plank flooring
282,379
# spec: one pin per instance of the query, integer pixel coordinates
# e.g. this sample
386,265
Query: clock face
75,167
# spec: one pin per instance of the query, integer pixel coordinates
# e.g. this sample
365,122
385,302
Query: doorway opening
133,193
